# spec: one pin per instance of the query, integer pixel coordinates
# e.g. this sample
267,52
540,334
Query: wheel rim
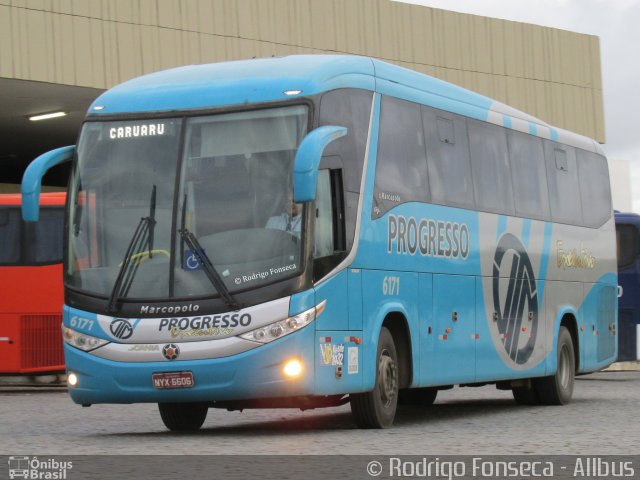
388,378
564,367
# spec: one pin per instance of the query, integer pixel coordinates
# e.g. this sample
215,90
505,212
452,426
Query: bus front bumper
257,373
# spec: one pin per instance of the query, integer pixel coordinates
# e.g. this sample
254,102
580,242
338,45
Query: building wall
620,175
550,73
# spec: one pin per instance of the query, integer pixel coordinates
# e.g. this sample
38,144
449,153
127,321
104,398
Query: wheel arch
566,317
396,323
570,322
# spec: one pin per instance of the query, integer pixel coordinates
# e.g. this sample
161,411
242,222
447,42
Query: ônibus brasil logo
516,303
32,467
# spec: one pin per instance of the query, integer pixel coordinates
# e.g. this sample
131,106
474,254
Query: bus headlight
72,379
293,368
81,340
279,329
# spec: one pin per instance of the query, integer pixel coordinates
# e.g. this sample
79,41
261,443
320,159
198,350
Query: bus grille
41,341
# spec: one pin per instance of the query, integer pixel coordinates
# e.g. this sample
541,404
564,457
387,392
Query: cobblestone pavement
602,419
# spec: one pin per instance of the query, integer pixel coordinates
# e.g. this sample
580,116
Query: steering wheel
144,256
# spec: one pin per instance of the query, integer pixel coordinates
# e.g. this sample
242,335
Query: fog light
293,368
72,379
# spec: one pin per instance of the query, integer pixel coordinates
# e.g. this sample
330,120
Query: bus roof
629,217
272,79
49,198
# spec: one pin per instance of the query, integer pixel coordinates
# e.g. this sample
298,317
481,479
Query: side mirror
307,161
32,180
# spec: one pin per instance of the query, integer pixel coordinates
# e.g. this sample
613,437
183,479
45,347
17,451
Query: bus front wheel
183,416
377,409
557,389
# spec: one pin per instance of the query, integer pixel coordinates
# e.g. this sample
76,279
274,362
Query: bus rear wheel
525,395
183,416
557,389
377,409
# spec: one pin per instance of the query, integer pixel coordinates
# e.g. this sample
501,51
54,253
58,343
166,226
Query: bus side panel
490,358
512,324
355,299
598,342
336,312
339,348
339,362
30,318
452,359
425,326
10,343
387,293
561,298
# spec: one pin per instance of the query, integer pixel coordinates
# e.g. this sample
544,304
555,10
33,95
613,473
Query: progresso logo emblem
121,328
515,299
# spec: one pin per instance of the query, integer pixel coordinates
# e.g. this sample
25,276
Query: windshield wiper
210,271
152,220
128,268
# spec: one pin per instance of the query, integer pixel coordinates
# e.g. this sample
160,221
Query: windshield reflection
237,185
234,197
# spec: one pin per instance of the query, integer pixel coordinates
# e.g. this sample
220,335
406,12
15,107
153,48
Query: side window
490,167
448,158
323,216
401,169
10,235
562,178
329,241
595,190
627,245
349,108
46,237
528,170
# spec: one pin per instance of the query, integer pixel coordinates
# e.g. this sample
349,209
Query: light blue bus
309,231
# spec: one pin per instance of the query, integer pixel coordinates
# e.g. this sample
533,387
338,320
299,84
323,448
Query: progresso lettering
205,322
429,238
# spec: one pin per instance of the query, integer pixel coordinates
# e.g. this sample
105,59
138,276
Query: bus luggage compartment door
453,358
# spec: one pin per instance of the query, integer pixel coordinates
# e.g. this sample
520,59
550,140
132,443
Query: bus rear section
628,238
31,286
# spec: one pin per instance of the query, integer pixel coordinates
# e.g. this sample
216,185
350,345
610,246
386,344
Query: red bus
31,294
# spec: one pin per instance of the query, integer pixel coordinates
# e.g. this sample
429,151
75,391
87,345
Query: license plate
173,380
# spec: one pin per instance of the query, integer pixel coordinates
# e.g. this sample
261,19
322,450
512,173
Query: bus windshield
233,197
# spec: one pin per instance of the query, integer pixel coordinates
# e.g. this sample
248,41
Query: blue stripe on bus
546,251
506,121
533,129
554,134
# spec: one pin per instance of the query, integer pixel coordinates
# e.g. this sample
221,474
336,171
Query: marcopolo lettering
191,308
227,320
427,237
134,131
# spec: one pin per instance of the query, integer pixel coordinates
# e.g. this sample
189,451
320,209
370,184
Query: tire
557,389
418,396
525,395
377,409
183,416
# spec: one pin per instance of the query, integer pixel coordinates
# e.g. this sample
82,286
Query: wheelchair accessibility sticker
191,262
